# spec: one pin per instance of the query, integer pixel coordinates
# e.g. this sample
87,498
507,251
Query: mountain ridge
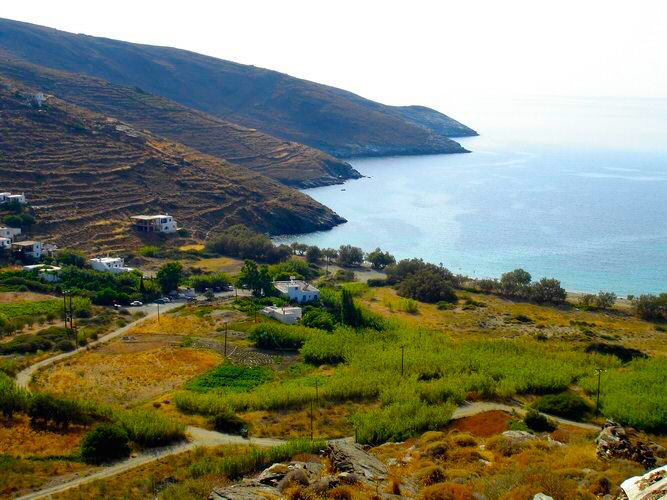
330,119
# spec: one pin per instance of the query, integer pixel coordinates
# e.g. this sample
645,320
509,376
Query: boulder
351,458
614,442
519,437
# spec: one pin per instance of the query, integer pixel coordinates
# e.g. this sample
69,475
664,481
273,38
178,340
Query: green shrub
277,336
329,349
13,399
105,443
46,409
318,318
150,428
400,421
65,345
564,405
537,422
230,377
229,422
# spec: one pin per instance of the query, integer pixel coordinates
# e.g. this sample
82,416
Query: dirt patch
140,343
20,439
484,424
11,297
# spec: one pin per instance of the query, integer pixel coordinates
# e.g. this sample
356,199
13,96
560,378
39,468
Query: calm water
579,192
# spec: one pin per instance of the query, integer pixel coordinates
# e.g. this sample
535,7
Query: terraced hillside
86,174
327,118
288,162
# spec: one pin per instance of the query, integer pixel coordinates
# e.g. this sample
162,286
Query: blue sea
569,188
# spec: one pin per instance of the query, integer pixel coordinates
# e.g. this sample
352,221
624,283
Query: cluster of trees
519,284
345,255
422,281
239,241
20,216
652,307
603,300
256,278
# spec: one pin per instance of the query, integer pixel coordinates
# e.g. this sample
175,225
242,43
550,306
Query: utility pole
311,419
597,403
317,396
225,339
158,312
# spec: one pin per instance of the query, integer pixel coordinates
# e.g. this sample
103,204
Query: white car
136,303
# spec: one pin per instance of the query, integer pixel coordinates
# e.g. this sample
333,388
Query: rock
243,492
273,474
650,486
519,437
391,461
614,442
295,476
542,496
351,458
478,496
348,478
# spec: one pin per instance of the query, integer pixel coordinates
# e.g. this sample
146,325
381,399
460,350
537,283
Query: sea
566,187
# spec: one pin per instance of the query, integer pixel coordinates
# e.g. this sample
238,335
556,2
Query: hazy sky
444,54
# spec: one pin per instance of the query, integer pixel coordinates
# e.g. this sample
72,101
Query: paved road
24,376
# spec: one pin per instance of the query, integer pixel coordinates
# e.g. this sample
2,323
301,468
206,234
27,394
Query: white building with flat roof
114,265
16,198
9,232
155,223
288,315
45,272
5,243
298,291
29,248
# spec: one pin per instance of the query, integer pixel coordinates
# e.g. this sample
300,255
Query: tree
605,300
104,443
548,290
329,254
515,283
652,307
69,257
349,312
587,300
380,259
428,287
169,276
318,318
406,267
257,279
350,256
313,254
488,285
298,248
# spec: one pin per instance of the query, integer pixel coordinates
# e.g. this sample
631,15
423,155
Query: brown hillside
288,162
327,118
85,174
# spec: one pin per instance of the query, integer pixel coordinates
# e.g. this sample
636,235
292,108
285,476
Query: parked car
160,301
136,303
166,299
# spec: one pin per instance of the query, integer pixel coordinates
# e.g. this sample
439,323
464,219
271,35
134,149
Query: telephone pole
597,403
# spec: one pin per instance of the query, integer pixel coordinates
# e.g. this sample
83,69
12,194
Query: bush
149,428
564,405
228,422
13,399
652,307
239,241
377,282
538,422
277,336
202,282
625,354
318,318
426,286
105,443
65,346
46,409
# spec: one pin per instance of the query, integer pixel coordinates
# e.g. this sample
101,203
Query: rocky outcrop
350,459
614,441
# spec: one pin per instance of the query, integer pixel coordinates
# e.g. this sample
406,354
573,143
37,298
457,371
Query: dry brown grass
19,476
170,324
11,297
227,265
126,378
483,424
20,439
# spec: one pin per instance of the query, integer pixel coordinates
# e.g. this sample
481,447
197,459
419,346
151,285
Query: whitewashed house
5,243
16,198
114,265
297,290
45,272
28,248
155,223
9,232
39,99
3,196
288,315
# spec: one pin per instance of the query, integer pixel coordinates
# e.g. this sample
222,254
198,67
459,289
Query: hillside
288,162
85,174
327,118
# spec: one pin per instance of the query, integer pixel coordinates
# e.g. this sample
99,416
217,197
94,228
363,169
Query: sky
454,55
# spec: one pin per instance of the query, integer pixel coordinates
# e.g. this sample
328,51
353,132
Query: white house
8,197
9,232
29,248
115,265
297,290
45,272
289,315
5,243
155,223
39,98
